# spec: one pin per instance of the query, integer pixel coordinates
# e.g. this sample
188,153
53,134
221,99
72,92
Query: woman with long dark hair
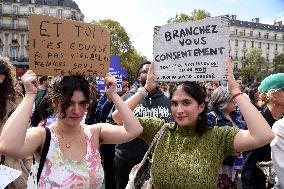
7,106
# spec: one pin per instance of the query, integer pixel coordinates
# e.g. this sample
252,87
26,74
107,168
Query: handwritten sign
64,47
192,51
8,175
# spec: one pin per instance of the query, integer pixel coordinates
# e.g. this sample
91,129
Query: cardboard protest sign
192,51
63,47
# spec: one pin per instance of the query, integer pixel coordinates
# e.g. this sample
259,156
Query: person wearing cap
271,98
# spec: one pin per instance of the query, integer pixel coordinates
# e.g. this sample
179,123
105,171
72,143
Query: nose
76,108
179,109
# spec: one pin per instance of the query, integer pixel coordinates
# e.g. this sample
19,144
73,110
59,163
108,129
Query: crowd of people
214,132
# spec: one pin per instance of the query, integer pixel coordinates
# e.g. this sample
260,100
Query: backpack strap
44,152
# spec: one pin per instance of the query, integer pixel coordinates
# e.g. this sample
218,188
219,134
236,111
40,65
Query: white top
277,152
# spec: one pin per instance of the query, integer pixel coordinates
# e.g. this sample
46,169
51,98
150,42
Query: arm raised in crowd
259,132
131,126
134,100
16,139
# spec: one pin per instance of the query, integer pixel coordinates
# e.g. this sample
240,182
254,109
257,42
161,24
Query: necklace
67,144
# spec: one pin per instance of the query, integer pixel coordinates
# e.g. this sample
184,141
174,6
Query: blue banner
115,70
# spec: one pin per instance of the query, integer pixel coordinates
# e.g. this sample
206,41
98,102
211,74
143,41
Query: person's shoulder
278,127
151,120
222,130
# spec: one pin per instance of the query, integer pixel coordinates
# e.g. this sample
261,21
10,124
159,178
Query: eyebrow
80,102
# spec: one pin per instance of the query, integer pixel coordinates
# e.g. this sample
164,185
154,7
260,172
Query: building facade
14,26
246,35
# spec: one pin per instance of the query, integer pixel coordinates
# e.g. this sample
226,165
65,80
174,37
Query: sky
139,17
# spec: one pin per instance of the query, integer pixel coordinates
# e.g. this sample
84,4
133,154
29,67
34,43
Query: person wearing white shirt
277,152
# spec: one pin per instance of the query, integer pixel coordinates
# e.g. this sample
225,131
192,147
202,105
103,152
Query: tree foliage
121,45
119,39
254,67
197,14
278,63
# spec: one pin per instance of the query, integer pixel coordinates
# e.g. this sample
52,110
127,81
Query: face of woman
279,97
185,109
18,88
231,106
77,108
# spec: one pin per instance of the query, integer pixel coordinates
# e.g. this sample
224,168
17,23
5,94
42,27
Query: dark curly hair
197,92
63,90
7,91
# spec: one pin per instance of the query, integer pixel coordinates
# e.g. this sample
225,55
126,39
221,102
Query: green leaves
278,63
197,14
254,67
121,45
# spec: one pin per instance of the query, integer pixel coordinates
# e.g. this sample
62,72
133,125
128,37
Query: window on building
276,47
267,57
244,43
59,12
14,53
31,9
60,2
235,65
251,33
15,9
236,43
45,10
252,44
1,9
14,36
244,55
275,36
259,34
17,1
73,15
45,2
266,35
236,55
259,45
236,31
32,1
15,23
244,32
268,46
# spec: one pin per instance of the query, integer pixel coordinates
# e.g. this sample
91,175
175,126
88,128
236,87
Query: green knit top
185,159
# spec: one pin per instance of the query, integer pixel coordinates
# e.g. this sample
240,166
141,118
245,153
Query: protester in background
224,114
254,95
124,86
7,106
73,160
277,152
44,84
19,87
155,105
209,91
91,113
190,152
271,99
20,91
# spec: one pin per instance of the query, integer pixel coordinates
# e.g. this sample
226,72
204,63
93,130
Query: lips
75,118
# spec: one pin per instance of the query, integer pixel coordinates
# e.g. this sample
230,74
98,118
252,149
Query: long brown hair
7,91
